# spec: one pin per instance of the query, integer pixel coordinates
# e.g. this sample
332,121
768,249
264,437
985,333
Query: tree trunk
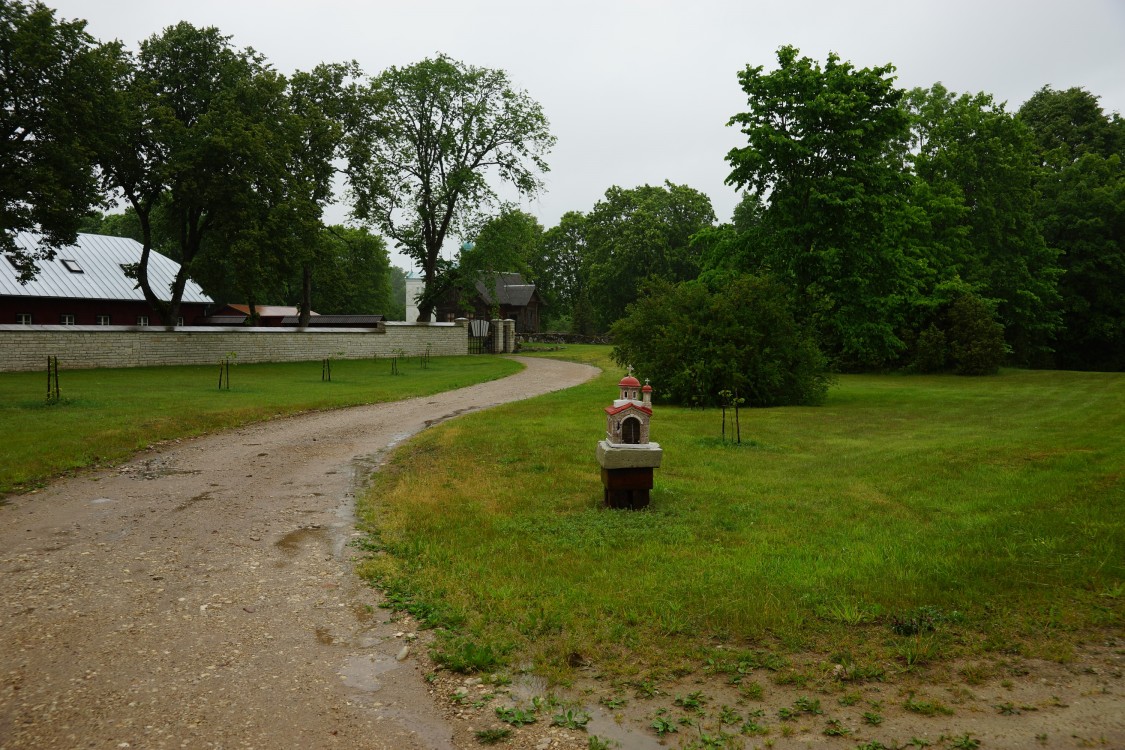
158,305
426,304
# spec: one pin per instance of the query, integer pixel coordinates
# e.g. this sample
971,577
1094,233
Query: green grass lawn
984,513
106,415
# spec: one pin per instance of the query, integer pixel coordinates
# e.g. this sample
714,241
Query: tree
396,308
633,234
238,163
975,167
53,78
560,274
418,166
824,156
352,274
737,333
1081,207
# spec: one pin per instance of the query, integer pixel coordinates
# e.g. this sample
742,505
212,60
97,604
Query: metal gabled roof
506,289
99,259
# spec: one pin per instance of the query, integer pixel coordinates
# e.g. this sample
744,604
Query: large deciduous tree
53,78
206,137
975,171
561,276
419,168
352,274
824,155
1081,207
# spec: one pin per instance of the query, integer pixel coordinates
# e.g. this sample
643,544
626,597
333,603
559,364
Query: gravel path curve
202,595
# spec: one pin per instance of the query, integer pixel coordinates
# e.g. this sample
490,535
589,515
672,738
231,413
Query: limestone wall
81,347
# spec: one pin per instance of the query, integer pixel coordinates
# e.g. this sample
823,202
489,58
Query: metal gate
480,338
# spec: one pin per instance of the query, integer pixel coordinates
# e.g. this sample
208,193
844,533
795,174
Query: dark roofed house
515,297
88,284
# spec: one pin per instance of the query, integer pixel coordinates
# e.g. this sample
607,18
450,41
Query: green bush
976,340
932,352
963,335
697,338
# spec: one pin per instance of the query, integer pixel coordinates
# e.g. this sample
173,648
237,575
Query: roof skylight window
72,266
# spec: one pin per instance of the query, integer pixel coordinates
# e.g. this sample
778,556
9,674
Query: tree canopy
53,82
824,157
435,132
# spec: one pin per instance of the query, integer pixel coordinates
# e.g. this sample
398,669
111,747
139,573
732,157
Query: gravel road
202,595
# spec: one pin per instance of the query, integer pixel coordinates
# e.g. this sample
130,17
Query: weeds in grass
974,674
872,718
751,728
517,717
849,699
848,612
751,691
919,650
807,705
692,701
492,736
836,728
661,724
926,708
571,719
613,703
964,742
465,656
593,742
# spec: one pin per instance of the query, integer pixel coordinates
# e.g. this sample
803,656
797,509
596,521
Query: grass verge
106,415
909,519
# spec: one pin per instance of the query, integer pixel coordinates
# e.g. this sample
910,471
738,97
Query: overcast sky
640,92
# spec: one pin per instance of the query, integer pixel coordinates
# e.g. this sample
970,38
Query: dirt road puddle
362,671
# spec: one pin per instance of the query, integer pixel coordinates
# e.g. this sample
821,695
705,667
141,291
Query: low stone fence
26,348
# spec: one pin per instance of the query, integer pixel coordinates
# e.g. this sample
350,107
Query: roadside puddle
292,542
362,671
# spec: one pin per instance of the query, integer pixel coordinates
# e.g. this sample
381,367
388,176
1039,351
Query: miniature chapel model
626,456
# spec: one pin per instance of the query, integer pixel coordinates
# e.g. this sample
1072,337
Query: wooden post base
627,488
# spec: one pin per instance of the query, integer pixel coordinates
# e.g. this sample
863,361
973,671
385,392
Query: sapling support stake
53,379
224,373
737,422
326,370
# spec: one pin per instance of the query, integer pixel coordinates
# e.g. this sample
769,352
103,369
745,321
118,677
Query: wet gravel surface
202,595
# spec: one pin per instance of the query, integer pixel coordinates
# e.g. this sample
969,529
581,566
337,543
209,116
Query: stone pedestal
627,473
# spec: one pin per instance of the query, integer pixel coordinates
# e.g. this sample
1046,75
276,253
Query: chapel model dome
629,381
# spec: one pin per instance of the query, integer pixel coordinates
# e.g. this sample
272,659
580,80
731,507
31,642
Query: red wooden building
88,284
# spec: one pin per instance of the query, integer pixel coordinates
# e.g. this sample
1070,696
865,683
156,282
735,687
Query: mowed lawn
106,415
909,517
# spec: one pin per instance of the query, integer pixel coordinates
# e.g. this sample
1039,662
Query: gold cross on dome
629,369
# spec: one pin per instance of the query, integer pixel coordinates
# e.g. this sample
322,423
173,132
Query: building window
102,320
71,265
180,320
24,319
142,320
66,319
